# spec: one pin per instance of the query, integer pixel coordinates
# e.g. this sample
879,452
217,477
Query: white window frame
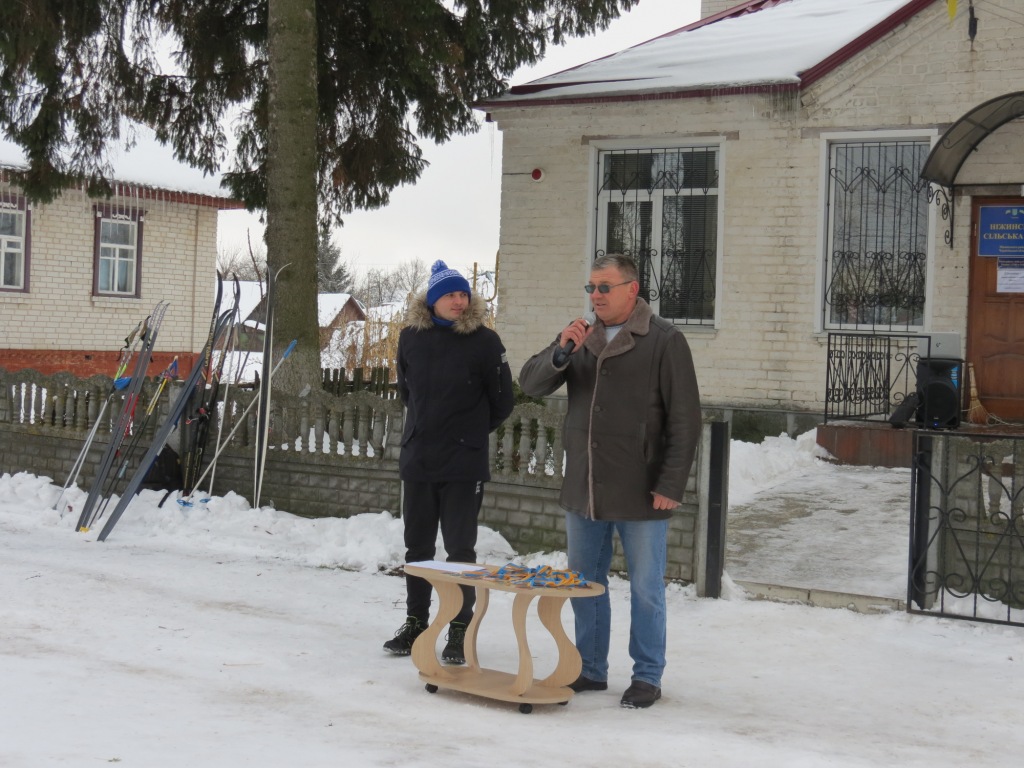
598,226
16,245
112,259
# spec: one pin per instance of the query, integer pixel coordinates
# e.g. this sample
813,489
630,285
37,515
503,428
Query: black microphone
562,354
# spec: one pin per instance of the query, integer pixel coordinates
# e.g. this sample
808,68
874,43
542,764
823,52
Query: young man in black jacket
455,382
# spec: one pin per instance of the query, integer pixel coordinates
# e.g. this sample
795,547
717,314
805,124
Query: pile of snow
758,467
364,542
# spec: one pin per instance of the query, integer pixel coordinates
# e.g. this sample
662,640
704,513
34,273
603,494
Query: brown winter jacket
634,419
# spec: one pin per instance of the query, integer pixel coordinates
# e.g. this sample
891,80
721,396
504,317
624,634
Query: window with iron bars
878,229
661,208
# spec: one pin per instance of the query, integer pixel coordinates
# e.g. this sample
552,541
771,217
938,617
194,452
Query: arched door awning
950,152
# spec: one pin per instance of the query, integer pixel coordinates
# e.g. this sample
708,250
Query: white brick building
79,273
769,207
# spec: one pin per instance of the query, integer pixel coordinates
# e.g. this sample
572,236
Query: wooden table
520,687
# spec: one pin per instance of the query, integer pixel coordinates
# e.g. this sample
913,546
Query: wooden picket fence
338,381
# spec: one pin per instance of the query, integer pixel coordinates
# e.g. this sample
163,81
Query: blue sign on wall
1001,230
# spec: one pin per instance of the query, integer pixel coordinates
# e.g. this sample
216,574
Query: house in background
79,273
249,333
334,311
370,341
786,173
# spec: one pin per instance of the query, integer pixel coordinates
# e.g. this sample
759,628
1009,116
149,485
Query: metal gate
967,526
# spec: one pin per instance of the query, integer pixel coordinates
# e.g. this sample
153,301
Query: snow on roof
385,313
148,164
773,45
328,305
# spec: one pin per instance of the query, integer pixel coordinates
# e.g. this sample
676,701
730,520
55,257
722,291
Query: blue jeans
644,543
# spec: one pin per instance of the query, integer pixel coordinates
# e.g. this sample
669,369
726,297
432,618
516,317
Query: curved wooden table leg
525,677
569,666
424,650
483,596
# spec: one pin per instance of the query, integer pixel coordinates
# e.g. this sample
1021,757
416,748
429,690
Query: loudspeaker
938,387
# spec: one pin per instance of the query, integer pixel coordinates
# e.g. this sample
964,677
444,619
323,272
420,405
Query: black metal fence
869,376
891,377
967,527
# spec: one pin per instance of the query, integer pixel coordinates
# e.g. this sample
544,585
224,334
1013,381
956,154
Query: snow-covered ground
219,635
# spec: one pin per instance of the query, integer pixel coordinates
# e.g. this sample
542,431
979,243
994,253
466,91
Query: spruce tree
329,100
332,276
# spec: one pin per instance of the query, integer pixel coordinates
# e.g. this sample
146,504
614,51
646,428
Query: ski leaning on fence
229,352
263,412
139,427
124,419
164,432
120,381
187,501
203,403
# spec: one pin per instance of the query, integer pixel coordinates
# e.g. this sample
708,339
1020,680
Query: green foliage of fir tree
327,101
71,70
332,275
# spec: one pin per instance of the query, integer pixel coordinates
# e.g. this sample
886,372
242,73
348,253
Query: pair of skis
206,396
222,324
163,433
262,401
124,420
120,381
187,501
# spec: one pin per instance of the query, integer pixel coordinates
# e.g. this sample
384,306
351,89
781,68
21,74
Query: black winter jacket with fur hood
457,388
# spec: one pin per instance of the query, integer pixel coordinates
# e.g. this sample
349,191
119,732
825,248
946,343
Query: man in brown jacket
631,433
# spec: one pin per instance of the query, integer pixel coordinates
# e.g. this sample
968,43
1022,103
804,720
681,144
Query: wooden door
995,309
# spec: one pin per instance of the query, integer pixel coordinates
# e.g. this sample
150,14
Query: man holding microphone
631,433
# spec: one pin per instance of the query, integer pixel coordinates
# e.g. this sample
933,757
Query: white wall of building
767,348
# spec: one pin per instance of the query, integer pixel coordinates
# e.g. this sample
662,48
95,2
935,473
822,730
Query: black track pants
455,508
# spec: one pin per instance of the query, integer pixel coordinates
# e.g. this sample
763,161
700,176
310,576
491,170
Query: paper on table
437,565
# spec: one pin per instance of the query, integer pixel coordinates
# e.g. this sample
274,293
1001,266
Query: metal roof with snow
146,170
757,45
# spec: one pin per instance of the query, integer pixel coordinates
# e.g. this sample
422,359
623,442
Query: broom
976,412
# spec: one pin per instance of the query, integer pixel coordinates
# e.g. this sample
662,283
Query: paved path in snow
835,528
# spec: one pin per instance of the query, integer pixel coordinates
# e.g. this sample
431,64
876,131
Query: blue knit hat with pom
443,281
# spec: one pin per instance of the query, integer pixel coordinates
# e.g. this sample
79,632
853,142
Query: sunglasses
604,287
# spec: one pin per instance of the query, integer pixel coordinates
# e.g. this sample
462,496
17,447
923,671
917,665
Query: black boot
401,643
454,651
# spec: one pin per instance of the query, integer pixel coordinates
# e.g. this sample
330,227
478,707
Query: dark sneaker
401,643
454,652
583,683
640,695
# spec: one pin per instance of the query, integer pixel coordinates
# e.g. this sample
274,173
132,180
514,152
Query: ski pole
241,418
76,468
230,345
80,461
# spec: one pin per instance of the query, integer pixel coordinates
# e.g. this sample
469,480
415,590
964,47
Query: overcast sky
452,212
